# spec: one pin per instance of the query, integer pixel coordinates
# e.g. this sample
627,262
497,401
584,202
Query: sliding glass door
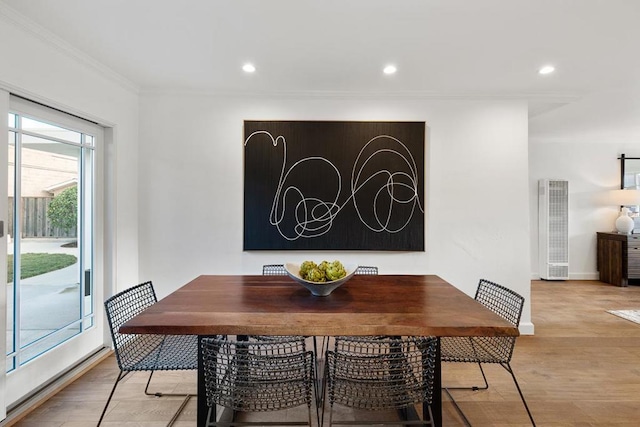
50,231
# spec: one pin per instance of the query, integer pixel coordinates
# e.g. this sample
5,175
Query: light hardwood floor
581,368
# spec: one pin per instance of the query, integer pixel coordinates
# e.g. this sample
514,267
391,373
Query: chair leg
146,389
316,386
179,411
209,422
325,376
320,368
507,366
475,387
484,377
160,394
186,396
121,375
316,367
458,409
431,420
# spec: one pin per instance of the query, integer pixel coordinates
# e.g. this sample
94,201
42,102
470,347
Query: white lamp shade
625,197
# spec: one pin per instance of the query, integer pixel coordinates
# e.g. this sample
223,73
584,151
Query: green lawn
36,264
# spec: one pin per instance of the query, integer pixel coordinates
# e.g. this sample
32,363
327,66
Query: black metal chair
279,270
274,270
257,375
146,352
381,373
367,270
507,304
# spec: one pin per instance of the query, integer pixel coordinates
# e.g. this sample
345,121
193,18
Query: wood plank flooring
581,369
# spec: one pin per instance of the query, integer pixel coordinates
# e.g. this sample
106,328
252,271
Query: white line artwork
377,208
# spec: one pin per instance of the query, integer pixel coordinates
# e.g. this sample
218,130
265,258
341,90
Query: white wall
35,66
592,171
191,187
581,143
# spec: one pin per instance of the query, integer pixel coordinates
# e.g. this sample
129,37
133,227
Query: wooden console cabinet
618,258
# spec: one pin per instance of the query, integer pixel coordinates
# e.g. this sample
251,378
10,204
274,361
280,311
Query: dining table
366,305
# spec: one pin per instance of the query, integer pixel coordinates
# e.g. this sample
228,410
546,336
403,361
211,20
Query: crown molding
16,90
13,17
398,95
584,140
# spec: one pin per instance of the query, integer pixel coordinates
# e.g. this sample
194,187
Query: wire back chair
508,305
381,373
146,352
367,270
257,375
274,270
279,270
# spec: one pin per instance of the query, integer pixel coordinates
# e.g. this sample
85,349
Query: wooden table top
276,305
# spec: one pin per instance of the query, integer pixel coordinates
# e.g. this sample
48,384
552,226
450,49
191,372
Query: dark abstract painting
325,185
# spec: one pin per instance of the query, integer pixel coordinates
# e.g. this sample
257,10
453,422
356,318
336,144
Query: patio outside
48,301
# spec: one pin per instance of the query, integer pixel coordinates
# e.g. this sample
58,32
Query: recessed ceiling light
248,68
390,69
547,69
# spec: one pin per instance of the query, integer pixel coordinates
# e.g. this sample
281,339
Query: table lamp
624,198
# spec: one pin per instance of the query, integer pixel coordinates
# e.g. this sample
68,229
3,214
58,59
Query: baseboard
526,328
22,409
573,276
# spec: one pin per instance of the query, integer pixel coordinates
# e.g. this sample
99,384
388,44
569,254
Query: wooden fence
34,219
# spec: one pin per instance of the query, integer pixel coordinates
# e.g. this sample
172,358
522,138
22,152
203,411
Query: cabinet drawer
633,273
633,241
633,263
634,252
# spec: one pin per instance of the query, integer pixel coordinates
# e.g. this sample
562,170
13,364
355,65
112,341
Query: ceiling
447,48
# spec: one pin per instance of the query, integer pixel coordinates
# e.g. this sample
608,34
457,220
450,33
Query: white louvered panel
557,271
553,224
558,224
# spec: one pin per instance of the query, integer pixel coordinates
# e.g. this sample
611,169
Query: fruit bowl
319,289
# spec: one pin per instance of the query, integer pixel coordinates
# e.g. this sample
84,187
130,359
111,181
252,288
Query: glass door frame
53,362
